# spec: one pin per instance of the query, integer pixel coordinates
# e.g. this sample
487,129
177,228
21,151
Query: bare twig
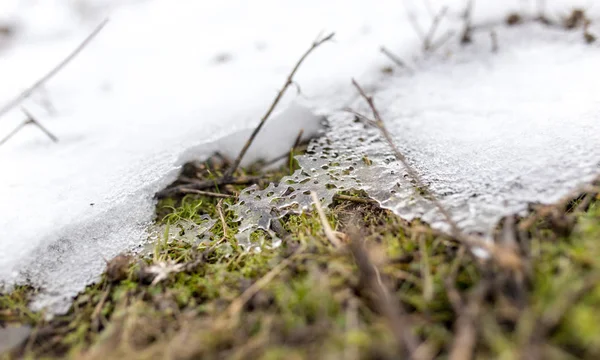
370,281
494,38
32,120
468,28
194,184
413,21
360,200
25,94
428,40
329,233
184,190
29,121
222,217
395,59
465,326
238,304
504,257
289,81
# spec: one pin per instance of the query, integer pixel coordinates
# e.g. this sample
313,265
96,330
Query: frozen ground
165,83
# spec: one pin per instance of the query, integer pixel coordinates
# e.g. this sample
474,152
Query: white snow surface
166,82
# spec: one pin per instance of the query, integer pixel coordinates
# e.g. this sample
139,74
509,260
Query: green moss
316,306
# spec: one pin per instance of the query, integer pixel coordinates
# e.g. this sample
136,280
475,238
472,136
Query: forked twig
428,40
503,256
31,120
25,94
395,59
288,82
375,289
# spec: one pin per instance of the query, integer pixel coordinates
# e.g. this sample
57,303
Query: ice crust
488,133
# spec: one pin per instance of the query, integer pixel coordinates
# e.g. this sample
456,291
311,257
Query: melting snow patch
489,133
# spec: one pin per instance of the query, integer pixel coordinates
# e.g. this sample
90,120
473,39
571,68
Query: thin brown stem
395,59
289,81
25,94
428,41
205,193
503,256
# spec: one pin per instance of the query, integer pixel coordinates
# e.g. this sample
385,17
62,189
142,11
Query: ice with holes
488,132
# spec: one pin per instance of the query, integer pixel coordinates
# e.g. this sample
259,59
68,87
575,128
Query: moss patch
204,297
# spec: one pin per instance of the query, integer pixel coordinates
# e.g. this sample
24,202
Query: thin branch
25,94
238,304
413,21
428,41
468,28
373,286
329,233
184,190
29,121
360,200
395,59
289,81
494,38
194,184
222,217
504,257
14,132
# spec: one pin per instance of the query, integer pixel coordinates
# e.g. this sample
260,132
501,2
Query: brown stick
504,257
465,326
205,193
326,227
29,121
206,184
370,280
25,94
428,41
289,81
395,59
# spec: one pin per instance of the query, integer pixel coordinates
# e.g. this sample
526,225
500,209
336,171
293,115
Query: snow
489,133
165,83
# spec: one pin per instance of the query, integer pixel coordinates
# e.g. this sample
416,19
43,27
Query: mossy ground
308,299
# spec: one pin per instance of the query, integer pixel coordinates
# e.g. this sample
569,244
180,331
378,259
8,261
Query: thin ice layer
488,132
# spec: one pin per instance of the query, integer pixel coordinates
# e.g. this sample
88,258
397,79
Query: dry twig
237,305
329,233
395,59
184,190
31,120
371,282
504,257
289,81
25,94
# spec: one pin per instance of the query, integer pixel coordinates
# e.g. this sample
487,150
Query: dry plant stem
22,96
465,326
468,28
494,38
29,121
504,257
205,193
326,227
355,199
237,305
206,184
289,81
370,280
395,59
222,217
428,41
